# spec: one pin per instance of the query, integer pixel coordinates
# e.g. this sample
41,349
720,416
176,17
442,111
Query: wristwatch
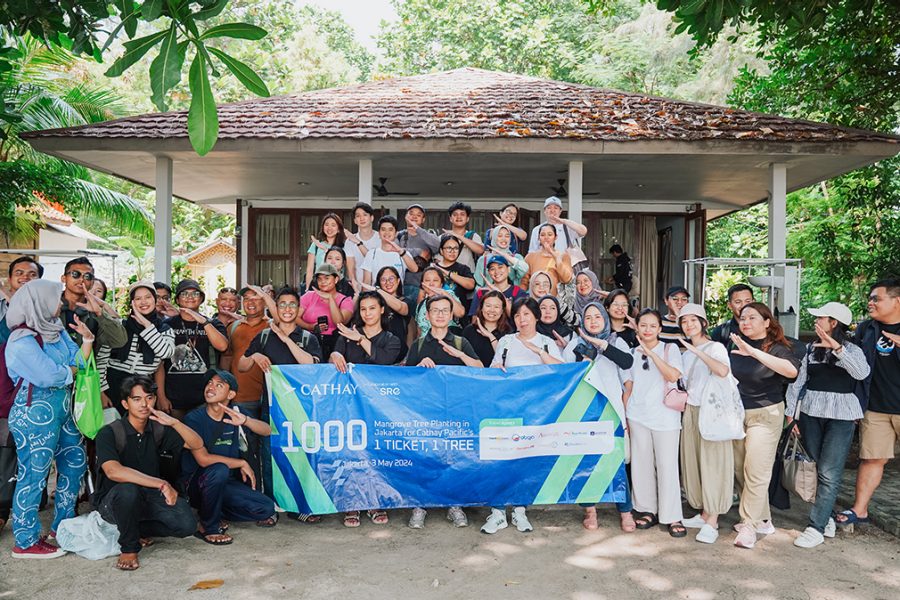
360,243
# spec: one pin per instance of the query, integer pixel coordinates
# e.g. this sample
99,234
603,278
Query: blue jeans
260,447
217,495
828,442
622,507
43,432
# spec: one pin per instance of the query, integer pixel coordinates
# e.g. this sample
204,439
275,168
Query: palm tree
39,93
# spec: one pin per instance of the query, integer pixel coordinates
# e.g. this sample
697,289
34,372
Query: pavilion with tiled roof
483,137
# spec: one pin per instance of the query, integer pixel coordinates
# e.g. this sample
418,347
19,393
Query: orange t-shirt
250,383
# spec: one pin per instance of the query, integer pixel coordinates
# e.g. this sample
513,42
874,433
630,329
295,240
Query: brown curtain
646,265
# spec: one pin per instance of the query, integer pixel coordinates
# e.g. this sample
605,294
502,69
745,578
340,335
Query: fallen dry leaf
207,584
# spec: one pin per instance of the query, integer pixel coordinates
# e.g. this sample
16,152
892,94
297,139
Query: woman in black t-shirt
459,277
762,361
398,310
489,324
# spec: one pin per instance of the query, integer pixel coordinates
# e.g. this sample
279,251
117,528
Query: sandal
2,524
850,518
590,519
646,521
147,542
677,530
379,517
217,538
305,518
128,564
270,522
627,522
224,525
351,519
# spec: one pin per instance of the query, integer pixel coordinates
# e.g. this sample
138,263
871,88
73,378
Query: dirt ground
559,560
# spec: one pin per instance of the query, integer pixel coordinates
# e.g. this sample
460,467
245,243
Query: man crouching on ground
211,475
130,492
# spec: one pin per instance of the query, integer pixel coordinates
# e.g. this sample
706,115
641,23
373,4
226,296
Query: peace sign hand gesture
79,327
825,340
742,347
350,333
452,351
235,417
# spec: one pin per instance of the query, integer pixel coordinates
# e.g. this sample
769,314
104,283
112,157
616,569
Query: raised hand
318,243
262,361
825,340
630,323
529,345
480,328
235,417
79,327
141,319
90,304
232,315
394,247
162,418
351,236
690,347
451,350
560,341
350,333
891,336
168,309
367,287
450,232
554,220
742,347
193,314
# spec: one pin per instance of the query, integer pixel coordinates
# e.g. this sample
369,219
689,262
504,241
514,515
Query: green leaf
243,31
243,72
211,11
165,70
134,51
152,9
203,122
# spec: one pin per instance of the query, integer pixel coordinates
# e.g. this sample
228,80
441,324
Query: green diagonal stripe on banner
607,466
565,466
316,496
283,494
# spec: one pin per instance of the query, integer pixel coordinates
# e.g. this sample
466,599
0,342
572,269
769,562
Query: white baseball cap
692,309
837,311
552,200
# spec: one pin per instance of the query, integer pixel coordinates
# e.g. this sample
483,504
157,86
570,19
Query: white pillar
365,180
162,245
778,211
576,189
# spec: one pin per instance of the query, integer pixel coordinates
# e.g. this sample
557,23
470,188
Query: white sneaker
746,537
417,518
707,534
830,528
766,528
495,521
520,520
456,516
695,522
810,538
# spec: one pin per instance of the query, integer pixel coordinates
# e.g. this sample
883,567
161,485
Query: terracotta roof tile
475,104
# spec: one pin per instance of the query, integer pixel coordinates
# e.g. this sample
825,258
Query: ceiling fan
561,192
381,190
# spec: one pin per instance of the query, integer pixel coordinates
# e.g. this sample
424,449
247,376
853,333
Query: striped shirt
162,343
671,332
830,405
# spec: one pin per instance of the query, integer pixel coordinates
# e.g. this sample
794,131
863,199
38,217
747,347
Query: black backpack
169,463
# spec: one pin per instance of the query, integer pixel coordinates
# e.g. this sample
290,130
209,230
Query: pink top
314,306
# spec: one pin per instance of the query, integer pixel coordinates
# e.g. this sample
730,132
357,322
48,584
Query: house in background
214,260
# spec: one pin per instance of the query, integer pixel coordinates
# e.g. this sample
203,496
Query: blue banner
394,437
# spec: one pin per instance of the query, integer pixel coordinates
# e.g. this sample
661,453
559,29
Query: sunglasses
228,290
646,364
88,276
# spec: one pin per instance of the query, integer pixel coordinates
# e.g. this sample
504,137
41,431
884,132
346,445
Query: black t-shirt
219,438
629,336
140,452
759,385
482,345
884,395
463,271
385,350
623,273
186,369
399,325
429,347
722,332
278,352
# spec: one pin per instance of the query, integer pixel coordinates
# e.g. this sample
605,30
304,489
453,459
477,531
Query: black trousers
142,512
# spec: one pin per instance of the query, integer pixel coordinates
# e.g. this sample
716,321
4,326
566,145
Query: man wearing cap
198,339
498,272
421,243
568,232
879,431
219,483
131,490
676,297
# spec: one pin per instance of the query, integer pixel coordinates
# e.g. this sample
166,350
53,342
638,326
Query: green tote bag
88,407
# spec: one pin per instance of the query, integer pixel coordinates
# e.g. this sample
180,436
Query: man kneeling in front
211,477
130,491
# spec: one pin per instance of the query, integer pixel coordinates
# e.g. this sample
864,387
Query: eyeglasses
287,305
189,294
451,248
619,304
646,364
88,276
390,279
440,311
165,297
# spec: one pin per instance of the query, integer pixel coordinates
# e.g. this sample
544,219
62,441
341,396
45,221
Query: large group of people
191,451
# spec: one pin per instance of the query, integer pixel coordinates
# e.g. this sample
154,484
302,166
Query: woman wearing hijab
41,362
540,285
587,290
610,356
551,323
150,341
502,240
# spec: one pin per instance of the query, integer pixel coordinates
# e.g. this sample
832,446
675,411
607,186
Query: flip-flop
850,518
379,517
270,522
205,537
351,519
147,542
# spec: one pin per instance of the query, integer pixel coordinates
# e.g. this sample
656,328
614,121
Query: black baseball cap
224,375
677,289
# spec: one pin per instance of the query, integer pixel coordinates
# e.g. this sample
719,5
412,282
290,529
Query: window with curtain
272,249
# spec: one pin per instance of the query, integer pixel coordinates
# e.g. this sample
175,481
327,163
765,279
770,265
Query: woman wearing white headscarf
501,240
41,361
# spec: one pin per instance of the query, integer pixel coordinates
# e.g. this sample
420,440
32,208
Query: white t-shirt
378,258
534,243
645,406
517,355
606,377
696,373
352,251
